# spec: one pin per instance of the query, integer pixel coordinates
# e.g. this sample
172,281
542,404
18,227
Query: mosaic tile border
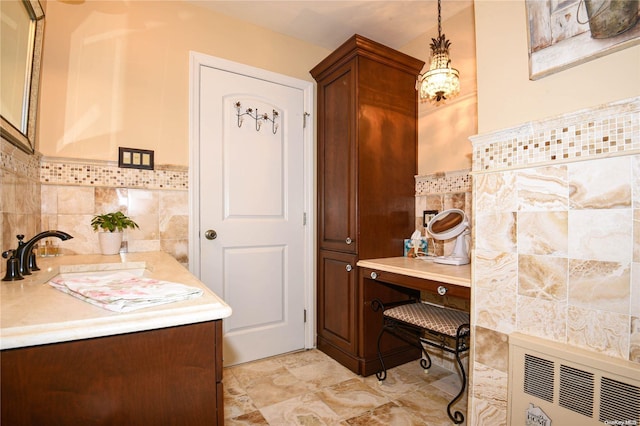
18,162
60,171
65,171
443,183
603,131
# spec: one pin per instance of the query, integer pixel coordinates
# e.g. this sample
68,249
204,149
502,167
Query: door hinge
304,219
304,119
305,315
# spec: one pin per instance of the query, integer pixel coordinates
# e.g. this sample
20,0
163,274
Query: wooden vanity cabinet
367,161
168,376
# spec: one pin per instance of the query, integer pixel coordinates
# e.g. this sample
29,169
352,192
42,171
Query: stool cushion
442,320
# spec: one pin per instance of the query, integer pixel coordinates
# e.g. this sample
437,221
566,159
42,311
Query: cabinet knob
349,268
442,290
374,275
348,240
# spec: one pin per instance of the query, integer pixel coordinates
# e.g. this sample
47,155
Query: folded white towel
123,291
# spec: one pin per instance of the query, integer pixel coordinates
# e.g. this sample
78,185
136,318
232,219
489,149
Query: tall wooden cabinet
367,160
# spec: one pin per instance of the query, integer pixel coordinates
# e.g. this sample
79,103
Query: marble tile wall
556,245
161,214
158,200
39,193
19,196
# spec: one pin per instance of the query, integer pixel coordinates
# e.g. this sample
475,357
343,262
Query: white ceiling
329,23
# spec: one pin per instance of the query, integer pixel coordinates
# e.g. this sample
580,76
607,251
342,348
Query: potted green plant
110,227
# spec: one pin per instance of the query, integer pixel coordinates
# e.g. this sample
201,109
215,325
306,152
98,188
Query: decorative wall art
565,33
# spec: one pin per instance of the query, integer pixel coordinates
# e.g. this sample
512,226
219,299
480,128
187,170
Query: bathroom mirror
21,31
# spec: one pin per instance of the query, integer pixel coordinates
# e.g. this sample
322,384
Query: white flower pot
110,242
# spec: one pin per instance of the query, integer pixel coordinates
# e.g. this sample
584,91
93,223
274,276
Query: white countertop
34,313
419,268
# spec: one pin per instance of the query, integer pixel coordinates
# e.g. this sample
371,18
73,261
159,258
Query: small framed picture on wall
427,215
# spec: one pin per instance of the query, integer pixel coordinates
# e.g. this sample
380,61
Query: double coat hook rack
259,118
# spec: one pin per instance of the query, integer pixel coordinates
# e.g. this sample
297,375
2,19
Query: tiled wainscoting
40,193
161,214
19,196
557,242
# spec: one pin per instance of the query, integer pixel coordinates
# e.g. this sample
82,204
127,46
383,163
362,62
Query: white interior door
252,195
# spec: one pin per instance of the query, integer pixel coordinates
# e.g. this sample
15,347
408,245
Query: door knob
210,234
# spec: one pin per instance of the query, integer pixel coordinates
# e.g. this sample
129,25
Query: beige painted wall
116,73
444,130
506,96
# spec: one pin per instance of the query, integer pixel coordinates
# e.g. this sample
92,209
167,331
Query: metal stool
417,323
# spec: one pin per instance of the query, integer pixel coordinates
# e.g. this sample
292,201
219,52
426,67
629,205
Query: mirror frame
27,141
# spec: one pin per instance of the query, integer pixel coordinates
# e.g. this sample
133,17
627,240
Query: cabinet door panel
337,161
386,159
142,378
337,291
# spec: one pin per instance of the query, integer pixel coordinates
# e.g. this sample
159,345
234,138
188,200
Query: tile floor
309,388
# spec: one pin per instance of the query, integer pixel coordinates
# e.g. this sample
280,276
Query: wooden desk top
419,268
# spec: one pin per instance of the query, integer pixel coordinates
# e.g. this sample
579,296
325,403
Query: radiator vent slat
576,390
619,401
538,377
555,383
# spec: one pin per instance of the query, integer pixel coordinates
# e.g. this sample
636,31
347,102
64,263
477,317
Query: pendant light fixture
441,82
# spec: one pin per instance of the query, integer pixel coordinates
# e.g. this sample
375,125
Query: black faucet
24,250
13,267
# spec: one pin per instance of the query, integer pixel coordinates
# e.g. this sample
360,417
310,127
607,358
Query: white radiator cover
555,384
